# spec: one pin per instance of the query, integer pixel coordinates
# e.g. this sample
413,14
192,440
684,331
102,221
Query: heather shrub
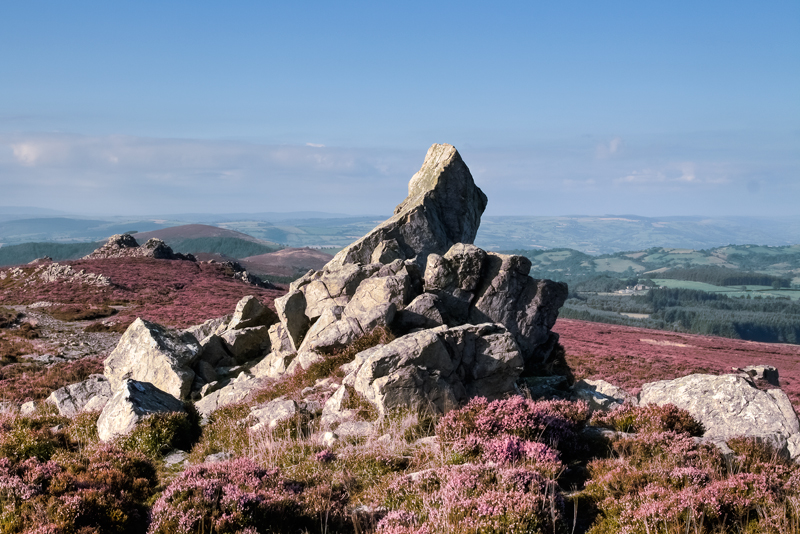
26,331
101,491
237,496
472,498
650,418
39,437
506,429
667,482
159,433
226,431
7,317
82,429
24,382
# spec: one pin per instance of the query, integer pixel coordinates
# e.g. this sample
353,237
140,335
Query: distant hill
617,233
288,262
27,252
205,239
70,230
192,231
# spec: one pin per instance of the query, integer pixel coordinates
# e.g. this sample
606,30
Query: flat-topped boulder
149,352
729,406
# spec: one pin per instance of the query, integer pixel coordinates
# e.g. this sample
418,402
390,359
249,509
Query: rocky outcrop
476,287
126,246
437,369
419,270
443,207
729,406
132,402
148,352
73,399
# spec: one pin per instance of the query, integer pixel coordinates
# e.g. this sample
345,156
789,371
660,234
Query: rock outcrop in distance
126,246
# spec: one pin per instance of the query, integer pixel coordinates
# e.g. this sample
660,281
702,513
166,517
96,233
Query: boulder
232,392
475,287
71,400
291,311
601,395
202,331
437,369
247,344
132,402
425,311
214,351
729,406
148,352
273,413
250,312
443,207
279,339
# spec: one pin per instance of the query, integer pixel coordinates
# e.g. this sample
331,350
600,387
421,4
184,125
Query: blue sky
649,108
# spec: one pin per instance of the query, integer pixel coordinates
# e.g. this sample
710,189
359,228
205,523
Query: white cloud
609,149
26,153
315,145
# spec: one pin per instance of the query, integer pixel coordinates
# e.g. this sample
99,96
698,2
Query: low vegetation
773,320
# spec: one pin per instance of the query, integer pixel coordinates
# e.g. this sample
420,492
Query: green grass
731,291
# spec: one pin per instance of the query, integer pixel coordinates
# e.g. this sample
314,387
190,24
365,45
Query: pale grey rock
303,360
387,252
96,404
474,286
72,399
601,395
218,457
175,457
29,408
132,402
443,207
202,331
247,344
328,439
730,406
148,352
232,392
425,311
251,312
437,369
528,308
279,339
291,312
274,365
334,410
373,304
358,429
273,413
214,351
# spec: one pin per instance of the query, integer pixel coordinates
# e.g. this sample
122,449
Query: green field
735,292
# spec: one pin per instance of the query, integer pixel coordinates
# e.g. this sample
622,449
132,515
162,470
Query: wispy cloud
609,149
